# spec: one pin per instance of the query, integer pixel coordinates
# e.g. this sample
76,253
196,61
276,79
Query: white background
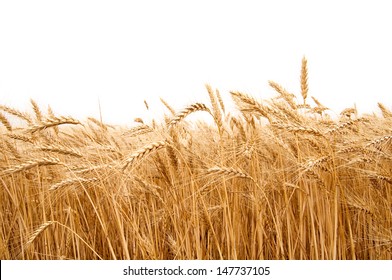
72,55
279,270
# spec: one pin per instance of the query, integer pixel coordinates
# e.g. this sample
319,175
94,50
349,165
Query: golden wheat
143,152
16,113
50,122
304,79
30,164
188,110
284,181
5,122
72,181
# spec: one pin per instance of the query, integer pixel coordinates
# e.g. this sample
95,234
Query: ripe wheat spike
51,122
229,171
32,163
5,122
143,152
16,113
188,110
37,111
304,79
37,232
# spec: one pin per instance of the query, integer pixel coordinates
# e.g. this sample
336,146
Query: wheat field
270,179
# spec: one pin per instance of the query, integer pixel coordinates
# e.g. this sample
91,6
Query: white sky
68,54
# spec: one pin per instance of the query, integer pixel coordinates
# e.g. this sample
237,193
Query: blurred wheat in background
272,179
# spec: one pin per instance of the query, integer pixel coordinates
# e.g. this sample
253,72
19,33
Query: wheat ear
37,232
288,97
71,181
168,106
32,163
220,100
138,130
20,137
385,112
143,152
379,141
50,122
16,113
229,171
5,122
215,108
188,110
37,111
60,150
304,79
299,129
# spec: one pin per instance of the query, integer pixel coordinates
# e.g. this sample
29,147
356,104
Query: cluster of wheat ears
272,179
